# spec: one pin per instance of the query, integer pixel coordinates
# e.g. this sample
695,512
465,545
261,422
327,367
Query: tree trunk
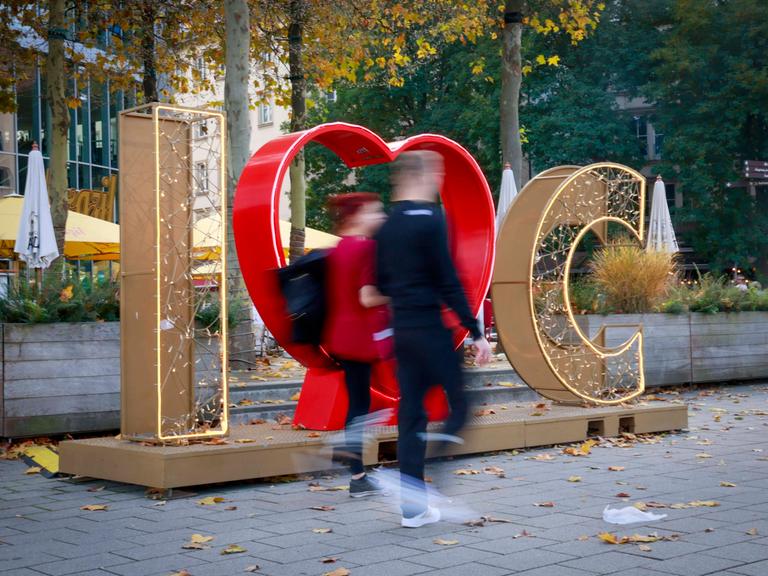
149,77
56,71
297,13
511,79
236,101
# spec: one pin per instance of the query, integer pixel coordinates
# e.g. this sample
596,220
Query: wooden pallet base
264,450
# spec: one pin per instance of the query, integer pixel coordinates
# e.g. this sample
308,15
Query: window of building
5,178
201,67
330,96
201,129
201,177
658,145
7,174
641,133
99,119
265,114
26,106
7,139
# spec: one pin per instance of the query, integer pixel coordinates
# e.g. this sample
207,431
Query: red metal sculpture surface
469,213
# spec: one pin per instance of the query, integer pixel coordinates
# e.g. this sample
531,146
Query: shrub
60,299
631,279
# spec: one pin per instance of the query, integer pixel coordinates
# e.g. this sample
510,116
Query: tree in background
35,34
709,84
455,90
319,43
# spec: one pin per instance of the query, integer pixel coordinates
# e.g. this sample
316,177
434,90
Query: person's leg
412,421
357,376
449,374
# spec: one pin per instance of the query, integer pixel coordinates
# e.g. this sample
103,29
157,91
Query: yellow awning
207,231
86,237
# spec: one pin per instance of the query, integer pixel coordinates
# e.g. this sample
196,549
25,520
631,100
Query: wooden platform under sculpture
264,450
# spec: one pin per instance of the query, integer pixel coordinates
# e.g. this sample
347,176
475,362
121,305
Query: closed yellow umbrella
86,238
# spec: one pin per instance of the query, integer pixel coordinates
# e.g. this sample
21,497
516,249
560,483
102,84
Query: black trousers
425,358
357,376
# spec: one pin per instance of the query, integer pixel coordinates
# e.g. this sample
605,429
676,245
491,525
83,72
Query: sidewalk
722,459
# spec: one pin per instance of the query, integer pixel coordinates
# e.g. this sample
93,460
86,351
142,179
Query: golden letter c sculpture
536,249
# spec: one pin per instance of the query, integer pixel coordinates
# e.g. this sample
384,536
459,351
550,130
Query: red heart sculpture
469,213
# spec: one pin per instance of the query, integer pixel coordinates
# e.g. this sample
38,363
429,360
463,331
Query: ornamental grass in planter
627,279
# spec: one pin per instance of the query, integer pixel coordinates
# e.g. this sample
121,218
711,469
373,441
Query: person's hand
482,351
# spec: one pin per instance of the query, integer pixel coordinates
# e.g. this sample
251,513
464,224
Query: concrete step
268,400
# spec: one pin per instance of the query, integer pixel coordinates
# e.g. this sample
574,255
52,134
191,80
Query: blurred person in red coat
356,325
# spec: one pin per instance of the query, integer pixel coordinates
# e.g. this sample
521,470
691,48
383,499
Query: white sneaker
429,516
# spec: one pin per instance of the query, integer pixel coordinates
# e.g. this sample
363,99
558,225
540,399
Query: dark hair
343,206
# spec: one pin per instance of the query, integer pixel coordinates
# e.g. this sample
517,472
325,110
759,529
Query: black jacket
415,269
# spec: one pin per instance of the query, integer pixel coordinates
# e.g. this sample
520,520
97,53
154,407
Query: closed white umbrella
661,235
507,194
35,240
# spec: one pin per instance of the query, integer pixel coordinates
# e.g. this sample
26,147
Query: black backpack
302,284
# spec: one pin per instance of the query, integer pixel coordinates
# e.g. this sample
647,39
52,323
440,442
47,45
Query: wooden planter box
694,348
59,378
65,378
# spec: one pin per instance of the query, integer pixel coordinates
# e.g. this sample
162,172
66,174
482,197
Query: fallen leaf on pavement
322,530
616,468
233,549
314,435
197,542
329,560
703,455
543,457
283,419
574,479
216,442
252,568
494,471
244,440
608,537
180,573
727,484
645,548
442,542
466,472
752,532
485,412
582,538
295,397
494,519
544,504
211,500
95,507
328,488
622,495
33,470
96,489
324,508
338,572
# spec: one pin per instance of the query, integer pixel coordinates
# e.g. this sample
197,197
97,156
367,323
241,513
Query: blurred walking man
416,271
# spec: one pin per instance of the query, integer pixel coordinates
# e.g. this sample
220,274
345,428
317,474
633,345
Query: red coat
349,326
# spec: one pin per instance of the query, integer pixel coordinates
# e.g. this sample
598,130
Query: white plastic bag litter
629,515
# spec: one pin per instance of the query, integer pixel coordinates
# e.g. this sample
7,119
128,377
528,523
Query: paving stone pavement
43,530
